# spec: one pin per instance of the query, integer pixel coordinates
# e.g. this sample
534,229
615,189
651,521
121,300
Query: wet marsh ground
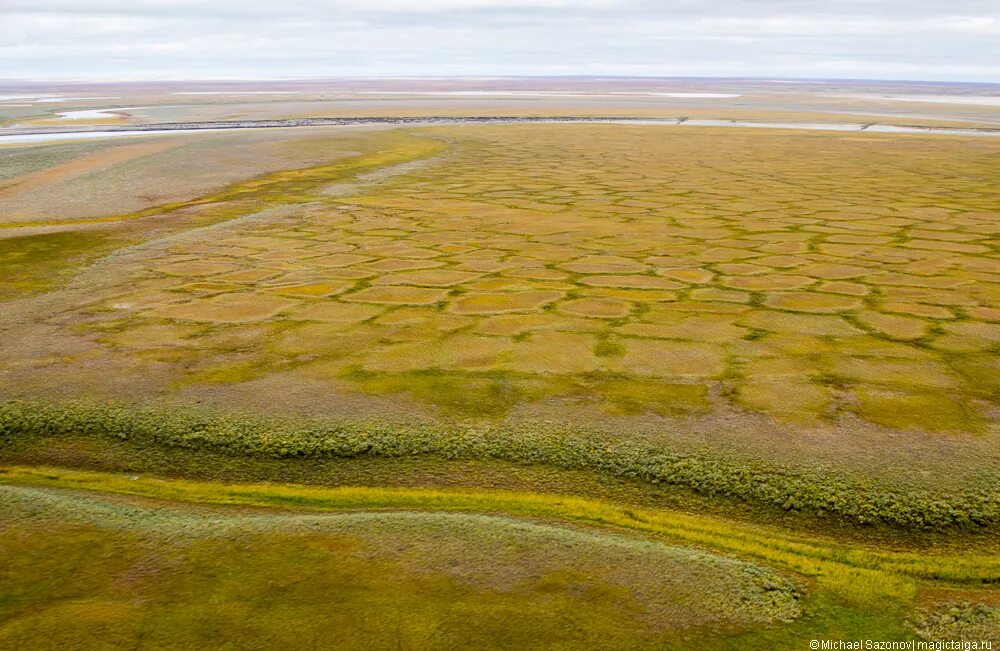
825,303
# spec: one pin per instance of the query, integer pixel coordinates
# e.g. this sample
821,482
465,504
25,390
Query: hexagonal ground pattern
806,276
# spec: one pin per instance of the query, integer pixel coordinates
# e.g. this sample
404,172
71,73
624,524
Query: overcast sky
882,39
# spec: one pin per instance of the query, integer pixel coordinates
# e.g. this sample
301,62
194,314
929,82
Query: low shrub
960,621
813,491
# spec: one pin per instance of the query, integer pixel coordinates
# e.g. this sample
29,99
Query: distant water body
215,127
96,114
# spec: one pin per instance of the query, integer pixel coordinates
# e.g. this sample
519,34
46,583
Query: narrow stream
14,136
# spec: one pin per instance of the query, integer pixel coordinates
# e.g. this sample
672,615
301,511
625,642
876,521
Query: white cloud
918,39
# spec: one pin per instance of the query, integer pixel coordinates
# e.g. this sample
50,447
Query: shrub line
811,491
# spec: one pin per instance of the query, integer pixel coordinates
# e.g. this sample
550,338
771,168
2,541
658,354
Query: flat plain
695,367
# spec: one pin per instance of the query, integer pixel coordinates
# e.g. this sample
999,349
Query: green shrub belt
816,491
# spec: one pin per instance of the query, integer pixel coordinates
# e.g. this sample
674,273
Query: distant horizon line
416,77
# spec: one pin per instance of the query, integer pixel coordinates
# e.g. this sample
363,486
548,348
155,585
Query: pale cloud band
887,39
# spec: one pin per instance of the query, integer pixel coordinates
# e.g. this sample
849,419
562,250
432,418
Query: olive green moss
33,263
88,571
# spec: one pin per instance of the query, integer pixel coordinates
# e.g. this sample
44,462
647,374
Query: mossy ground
823,285
299,547
284,580
541,254
35,263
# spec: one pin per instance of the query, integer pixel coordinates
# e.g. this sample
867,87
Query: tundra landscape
520,363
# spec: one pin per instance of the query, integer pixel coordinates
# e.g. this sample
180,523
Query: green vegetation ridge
810,491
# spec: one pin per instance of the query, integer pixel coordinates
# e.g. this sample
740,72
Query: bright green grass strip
859,574
823,492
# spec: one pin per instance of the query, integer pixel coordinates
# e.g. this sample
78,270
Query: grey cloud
917,39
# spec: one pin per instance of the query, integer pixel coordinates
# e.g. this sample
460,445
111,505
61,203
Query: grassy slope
851,591
287,578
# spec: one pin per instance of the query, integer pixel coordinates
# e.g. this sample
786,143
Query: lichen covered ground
624,269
